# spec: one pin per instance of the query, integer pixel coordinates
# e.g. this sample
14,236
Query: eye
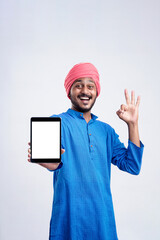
78,86
90,86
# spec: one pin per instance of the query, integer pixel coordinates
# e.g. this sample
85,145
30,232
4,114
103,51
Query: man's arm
129,114
134,134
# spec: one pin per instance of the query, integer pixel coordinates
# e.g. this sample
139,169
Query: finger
29,155
120,112
132,97
29,143
127,96
29,150
29,160
62,151
138,101
123,107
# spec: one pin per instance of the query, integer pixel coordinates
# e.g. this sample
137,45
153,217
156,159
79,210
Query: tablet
45,139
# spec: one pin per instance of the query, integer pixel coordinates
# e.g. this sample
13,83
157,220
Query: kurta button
91,145
90,134
81,115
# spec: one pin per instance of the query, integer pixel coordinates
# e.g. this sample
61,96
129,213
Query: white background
39,42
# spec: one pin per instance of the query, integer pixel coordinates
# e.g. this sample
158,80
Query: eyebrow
79,80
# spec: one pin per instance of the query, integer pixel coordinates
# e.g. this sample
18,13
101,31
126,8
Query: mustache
84,95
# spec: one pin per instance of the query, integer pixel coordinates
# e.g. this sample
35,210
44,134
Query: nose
85,90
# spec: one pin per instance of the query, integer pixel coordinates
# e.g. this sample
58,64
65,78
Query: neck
86,115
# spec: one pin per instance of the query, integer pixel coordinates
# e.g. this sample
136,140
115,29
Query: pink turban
82,70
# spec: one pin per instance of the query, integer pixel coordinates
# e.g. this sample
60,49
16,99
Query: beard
78,107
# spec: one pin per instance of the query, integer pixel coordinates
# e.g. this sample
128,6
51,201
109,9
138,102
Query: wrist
132,124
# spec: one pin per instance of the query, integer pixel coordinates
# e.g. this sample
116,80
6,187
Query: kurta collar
79,114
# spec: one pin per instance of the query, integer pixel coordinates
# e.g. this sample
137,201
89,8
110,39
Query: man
82,204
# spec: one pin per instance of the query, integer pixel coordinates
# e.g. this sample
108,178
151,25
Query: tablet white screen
45,139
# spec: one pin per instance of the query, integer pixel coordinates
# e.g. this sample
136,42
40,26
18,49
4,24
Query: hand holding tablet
50,166
45,141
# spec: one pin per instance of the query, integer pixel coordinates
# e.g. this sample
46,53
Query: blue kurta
82,204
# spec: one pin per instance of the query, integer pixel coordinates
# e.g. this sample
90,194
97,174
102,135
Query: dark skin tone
83,94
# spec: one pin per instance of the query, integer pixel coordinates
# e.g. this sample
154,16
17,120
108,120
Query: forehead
84,80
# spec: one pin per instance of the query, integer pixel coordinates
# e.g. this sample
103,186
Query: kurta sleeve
127,159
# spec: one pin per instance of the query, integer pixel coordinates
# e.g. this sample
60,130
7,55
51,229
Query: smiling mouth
85,100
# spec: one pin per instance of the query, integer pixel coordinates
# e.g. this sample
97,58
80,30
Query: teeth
84,98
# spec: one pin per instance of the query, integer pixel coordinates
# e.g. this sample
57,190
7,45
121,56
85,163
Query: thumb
62,150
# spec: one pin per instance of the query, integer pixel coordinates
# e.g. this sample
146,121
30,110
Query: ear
69,95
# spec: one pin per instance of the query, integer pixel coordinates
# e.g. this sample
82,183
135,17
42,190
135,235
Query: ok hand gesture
129,112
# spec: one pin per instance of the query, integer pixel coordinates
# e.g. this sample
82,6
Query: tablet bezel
45,119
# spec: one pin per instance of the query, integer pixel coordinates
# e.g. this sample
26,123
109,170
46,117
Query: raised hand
129,112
